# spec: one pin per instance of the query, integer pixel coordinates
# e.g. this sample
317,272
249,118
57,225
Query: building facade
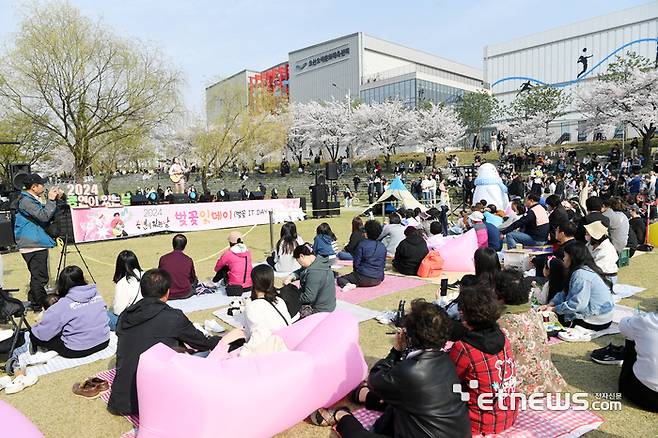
359,67
571,55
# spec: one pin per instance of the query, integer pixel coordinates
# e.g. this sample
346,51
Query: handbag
431,266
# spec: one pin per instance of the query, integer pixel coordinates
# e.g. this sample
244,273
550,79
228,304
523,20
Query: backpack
431,266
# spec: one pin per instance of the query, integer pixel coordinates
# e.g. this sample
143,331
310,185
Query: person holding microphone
32,240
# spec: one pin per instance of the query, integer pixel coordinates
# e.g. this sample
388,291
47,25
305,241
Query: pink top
236,262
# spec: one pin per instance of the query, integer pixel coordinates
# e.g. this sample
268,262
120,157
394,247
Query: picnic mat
360,313
202,302
105,396
391,284
622,291
612,330
529,424
59,363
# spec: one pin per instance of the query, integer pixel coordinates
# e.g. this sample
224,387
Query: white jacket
262,320
126,293
605,256
285,262
643,329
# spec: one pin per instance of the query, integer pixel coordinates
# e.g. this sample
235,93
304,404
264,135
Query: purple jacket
80,318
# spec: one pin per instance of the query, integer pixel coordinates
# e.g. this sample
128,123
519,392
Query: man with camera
32,240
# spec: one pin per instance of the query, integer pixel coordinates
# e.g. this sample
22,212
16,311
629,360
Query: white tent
398,192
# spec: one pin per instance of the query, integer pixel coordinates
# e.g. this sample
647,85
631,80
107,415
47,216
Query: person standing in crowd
144,324
535,225
32,240
177,175
180,268
369,260
357,236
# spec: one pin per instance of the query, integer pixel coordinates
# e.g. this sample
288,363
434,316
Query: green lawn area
51,405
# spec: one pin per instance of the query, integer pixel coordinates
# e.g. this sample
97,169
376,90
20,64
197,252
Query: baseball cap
476,216
31,179
234,236
596,229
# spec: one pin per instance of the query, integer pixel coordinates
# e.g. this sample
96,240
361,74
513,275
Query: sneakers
20,383
348,287
39,357
576,334
4,381
213,326
201,329
610,355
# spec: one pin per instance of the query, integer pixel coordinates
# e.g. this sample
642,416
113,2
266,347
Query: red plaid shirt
490,371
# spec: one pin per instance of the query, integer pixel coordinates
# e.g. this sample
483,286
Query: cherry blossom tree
435,128
325,126
381,128
627,95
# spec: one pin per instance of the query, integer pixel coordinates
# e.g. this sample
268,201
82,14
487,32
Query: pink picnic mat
529,424
391,284
105,396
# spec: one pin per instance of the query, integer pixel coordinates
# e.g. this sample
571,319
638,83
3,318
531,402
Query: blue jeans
519,237
113,320
344,255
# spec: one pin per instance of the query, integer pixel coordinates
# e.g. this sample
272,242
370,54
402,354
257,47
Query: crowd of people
491,339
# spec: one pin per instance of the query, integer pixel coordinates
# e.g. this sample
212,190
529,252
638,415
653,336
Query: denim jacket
588,296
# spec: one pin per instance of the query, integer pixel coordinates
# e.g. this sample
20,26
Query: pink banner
104,223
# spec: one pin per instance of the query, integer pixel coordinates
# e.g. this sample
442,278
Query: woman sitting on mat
76,325
486,264
603,251
357,236
265,313
586,302
369,261
412,386
234,266
392,233
127,274
524,328
410,252
317,291
282,260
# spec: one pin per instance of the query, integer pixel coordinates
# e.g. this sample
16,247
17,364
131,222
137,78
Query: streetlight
348,94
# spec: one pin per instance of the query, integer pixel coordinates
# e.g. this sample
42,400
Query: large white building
357,66
570,55
372,69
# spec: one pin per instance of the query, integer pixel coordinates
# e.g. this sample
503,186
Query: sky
207,40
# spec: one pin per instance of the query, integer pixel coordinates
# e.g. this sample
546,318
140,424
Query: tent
397,192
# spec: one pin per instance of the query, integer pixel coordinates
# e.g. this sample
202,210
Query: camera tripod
64,252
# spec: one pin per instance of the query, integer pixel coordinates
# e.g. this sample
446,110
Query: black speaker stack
319,200
17,174
331,170
6,229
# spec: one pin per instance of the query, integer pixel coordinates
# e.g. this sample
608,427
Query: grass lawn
51,405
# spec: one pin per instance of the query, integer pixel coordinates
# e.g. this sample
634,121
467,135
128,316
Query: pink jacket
238,260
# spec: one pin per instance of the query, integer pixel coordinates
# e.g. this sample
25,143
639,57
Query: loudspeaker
320,179
333,208
234,196
178,198
319,196
331,169
256,196
6,229
17,174
302,204
138,199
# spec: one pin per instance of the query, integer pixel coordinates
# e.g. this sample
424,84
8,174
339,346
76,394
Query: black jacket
638,225
140,327
420,397
356,237
409,253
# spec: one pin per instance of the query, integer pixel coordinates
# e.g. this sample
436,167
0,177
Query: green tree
549,101
21,141
476,111
88,87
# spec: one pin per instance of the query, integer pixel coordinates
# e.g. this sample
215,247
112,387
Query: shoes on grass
20,383
610,355
40,357
576,334
91,388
